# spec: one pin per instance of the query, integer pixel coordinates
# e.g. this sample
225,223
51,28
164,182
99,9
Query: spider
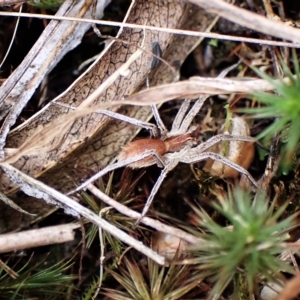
173,147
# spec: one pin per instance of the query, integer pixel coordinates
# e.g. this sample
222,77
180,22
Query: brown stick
37,237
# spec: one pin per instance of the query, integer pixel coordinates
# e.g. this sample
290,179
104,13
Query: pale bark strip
37,189
37,237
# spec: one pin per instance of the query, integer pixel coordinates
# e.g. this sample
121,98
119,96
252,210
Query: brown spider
172,148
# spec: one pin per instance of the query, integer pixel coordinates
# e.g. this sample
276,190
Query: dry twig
37,237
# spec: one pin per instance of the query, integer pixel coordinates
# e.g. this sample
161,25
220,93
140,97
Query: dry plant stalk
155,224
37,237
193,87
8,270
249,19
179,31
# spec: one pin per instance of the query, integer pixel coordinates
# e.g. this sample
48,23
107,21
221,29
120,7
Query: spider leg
180,116
151,127
222,137
195,156
184,124
117,165
191,114
168,167
158,158
160,124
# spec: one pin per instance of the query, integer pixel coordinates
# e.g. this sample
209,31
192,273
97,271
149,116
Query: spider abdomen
158,146
138,147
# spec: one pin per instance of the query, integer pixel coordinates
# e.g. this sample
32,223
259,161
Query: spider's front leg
159,148
171,161
194,155
168,167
